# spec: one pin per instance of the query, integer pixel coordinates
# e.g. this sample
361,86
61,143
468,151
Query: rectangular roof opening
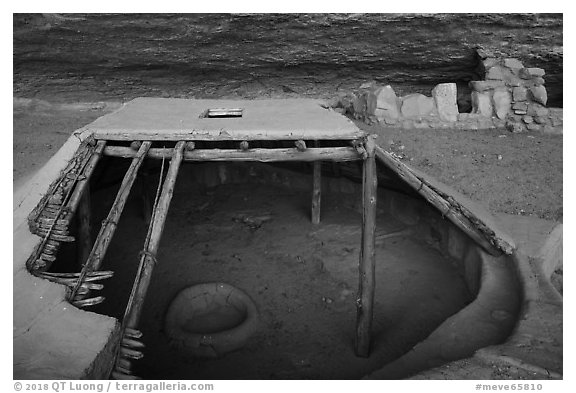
222,113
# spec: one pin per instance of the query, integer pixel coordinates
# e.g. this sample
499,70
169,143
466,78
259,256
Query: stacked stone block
375,103
511,96
512,93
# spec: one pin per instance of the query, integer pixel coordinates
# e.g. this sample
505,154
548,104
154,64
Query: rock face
496,108
507,75
415,105
512,96
359,104
514,127
516,91
382,103
211,55
538,110
528,73
513,64
502,102
481,86
374,103
519,93
539,94
481,104
445,99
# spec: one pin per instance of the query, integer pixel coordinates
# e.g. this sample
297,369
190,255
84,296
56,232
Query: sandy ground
40,129
509,173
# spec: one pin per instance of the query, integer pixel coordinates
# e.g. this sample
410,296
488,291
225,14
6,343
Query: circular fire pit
209,320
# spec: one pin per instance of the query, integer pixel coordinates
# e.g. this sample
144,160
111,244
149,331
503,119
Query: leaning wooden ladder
129,347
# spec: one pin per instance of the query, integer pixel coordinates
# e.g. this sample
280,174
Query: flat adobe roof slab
182,119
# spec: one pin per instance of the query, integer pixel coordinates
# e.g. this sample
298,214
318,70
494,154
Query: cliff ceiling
68,56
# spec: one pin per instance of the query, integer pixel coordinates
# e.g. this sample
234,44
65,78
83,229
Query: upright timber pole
80,203
365,300
316,190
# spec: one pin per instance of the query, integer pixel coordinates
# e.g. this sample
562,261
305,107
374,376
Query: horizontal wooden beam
262,155
223,135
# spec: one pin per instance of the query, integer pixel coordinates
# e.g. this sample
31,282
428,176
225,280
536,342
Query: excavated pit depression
249,225
210,320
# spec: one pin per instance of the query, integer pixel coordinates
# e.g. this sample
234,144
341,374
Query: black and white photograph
269,196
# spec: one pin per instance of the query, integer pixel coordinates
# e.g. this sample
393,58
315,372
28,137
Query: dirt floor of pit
302,277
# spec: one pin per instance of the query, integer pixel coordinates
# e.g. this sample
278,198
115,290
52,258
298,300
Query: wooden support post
359,146
80,203
300,145
365,300
109,225
135,145
84,228
316,190
88,170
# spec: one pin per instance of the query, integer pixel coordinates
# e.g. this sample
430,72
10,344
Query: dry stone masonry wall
513,93
510,96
